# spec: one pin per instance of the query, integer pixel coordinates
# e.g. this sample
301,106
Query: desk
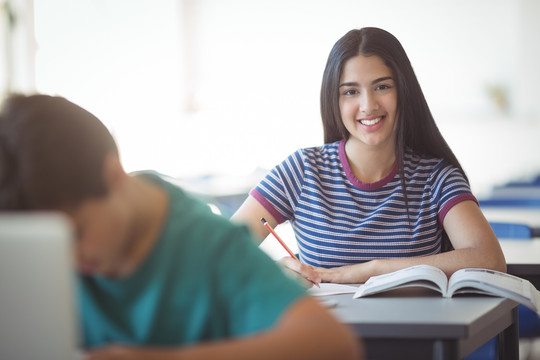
523,191
417,324
523,258
529,216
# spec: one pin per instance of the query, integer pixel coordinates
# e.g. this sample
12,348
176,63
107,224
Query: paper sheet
332,289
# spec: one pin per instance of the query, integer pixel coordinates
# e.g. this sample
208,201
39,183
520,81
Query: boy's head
52,154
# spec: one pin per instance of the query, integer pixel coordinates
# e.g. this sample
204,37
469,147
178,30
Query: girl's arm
250,213
305,331
471,235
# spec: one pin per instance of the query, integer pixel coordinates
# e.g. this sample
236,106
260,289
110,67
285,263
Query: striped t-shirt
338,220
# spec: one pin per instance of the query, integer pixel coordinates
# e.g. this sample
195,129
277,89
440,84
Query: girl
385,191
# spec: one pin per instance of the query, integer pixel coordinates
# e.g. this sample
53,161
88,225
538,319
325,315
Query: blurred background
215,92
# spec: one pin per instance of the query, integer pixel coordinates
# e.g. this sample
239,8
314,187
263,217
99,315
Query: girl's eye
350,92
383,87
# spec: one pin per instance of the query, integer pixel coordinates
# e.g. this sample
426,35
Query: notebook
37,289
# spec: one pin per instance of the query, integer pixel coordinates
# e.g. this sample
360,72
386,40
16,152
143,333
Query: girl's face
368,101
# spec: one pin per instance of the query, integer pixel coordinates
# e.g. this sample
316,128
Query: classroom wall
476,61
193,87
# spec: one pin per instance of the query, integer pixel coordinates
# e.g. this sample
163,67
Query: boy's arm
305,331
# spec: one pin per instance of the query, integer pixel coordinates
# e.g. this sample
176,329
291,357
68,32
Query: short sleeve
279,190
450,189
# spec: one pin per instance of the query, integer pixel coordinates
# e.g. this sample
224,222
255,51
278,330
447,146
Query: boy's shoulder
187,210
179,198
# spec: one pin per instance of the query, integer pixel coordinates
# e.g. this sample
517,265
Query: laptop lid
37,288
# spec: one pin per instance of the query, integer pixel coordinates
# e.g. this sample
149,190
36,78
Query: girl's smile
372,123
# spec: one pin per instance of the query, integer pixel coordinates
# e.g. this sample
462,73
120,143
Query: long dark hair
51,154
416,128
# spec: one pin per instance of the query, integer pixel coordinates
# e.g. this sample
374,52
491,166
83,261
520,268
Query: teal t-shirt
204,279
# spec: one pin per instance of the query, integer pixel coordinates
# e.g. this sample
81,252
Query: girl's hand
349,274
306,275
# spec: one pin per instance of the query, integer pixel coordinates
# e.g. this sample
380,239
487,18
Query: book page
495,283
506,281
420,275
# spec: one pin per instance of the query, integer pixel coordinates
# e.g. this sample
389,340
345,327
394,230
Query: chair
522,193
510,202
505,230
535,181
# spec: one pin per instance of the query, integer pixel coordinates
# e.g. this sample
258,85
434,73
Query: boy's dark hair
52,154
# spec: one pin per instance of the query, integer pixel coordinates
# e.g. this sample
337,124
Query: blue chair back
504,230
510,202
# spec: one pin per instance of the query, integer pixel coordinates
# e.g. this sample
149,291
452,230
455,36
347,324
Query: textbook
470,280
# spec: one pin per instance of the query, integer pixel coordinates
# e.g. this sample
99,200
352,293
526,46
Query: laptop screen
37,288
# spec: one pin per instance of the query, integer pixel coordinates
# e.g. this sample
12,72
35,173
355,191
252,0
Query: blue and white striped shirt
338,220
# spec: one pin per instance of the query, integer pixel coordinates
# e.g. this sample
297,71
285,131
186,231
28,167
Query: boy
161,277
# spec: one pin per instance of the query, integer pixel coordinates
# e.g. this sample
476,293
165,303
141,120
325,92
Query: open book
471,280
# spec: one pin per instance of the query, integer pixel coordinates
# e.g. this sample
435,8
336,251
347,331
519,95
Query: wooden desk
401,324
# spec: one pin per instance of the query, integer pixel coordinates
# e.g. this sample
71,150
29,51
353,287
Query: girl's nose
368,102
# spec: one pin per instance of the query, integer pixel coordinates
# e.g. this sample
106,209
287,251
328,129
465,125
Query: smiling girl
385,191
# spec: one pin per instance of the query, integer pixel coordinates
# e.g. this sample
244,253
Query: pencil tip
262,220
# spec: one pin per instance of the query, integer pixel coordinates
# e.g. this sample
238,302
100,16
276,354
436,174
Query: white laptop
37,289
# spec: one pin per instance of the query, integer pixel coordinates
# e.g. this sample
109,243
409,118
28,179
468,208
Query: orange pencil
266,225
